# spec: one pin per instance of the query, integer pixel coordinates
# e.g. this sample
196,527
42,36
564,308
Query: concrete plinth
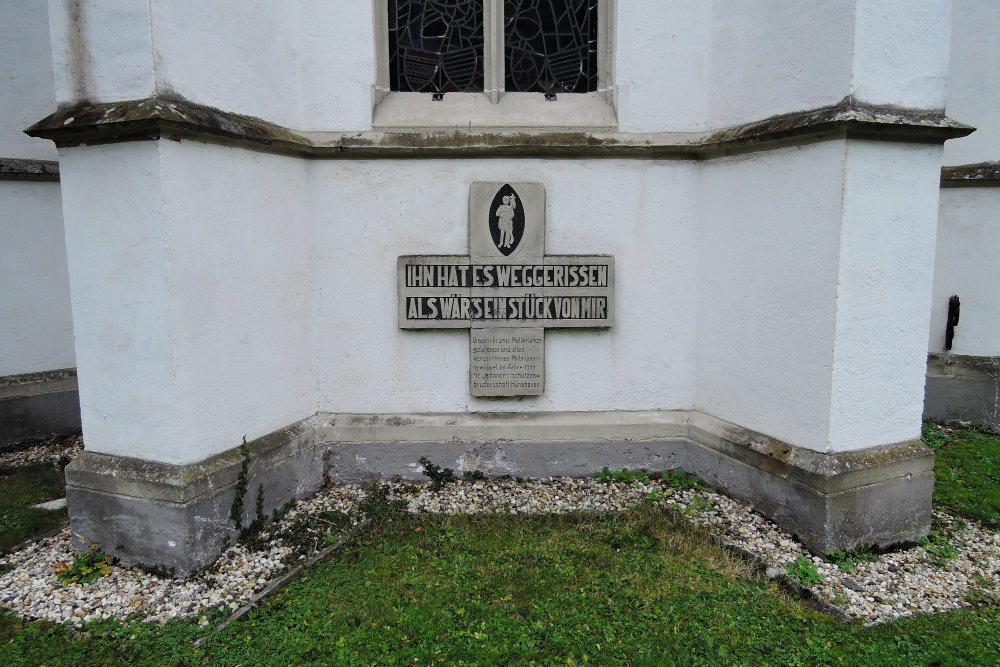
37,404
176,517
963,388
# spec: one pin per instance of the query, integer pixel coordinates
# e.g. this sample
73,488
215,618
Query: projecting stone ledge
981,174
177,118
176,517
23,169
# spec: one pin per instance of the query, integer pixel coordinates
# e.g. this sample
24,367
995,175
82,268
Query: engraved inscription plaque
507,362
506,291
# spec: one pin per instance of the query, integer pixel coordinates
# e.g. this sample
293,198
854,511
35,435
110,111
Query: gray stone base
176,517
37,404
963,388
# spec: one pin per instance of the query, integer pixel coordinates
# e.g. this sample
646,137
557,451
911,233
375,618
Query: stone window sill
419,111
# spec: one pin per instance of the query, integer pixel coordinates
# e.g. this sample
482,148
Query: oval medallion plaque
506,220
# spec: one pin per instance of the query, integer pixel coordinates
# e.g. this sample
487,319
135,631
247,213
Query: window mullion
493,62
605,52
381,27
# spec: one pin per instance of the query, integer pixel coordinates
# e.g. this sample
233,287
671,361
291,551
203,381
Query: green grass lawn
636,589
966,472
20,488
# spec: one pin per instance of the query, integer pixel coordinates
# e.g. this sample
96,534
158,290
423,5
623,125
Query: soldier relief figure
505,222
505,218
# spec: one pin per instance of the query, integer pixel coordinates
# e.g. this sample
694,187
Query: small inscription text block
507,361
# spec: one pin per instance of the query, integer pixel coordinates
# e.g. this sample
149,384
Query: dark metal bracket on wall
954,308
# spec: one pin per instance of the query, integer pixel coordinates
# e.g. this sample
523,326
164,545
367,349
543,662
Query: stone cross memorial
506,291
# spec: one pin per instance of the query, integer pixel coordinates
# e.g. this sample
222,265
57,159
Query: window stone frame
494,107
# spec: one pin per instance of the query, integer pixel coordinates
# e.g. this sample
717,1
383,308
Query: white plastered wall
661,65
26,79
337,65
678,66
968,237
265,285
114,230
795,304
316,58
224,53
191,267
368,213
774,58
101,50
767,290
974,81
815,281
883,292
226,308
36,331
901,52
966,264
753,74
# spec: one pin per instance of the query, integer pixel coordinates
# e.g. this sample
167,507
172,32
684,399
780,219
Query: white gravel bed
52,449
33,589
897,584
893,585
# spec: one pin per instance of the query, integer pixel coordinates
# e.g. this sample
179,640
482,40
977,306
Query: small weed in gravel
804,571
623,476
88,566
678,479
937,546
376,504
439,477
847,560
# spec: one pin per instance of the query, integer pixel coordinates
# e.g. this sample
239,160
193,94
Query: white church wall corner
693,229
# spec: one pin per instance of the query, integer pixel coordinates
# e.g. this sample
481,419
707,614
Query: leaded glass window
441,46
436,46
550,46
